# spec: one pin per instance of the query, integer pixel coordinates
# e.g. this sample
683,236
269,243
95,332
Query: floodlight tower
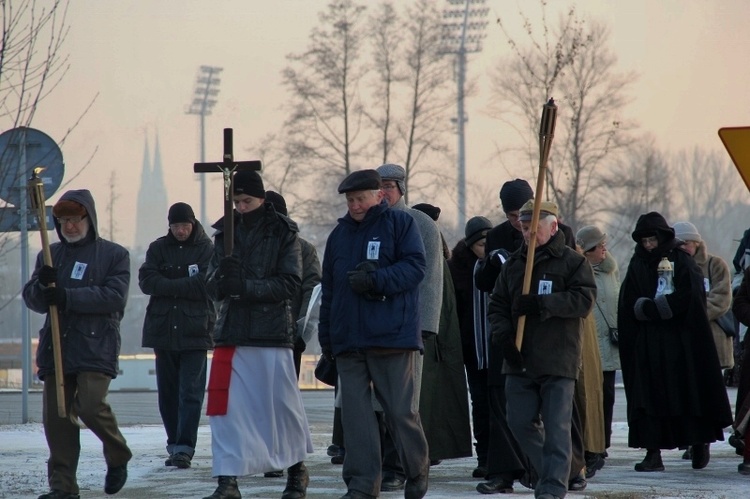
463,31
204,99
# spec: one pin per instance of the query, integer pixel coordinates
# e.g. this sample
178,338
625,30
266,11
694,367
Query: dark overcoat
671,372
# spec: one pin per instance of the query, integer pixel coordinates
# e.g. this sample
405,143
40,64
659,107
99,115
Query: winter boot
227,489
296,482
700,456
652,461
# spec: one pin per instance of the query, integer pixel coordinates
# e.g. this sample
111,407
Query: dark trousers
181,385
546,439
391,375
505,459
480,412
85,399
608,390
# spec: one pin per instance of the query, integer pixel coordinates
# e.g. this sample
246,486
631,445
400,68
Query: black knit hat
514,193
249,182
432,211
278,202
361,180
181,213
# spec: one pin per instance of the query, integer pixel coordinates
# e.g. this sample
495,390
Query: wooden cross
228,167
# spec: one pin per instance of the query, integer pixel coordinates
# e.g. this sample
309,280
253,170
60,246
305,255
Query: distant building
151,211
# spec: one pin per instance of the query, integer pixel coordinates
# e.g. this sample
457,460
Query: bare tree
639,182
575,65
325,110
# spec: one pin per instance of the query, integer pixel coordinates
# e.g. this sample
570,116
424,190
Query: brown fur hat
68,208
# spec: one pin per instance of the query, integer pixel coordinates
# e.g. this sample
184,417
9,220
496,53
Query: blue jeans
181,382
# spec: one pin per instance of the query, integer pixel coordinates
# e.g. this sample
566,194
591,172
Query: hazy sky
142,58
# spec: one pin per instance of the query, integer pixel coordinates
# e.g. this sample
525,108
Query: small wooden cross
228,167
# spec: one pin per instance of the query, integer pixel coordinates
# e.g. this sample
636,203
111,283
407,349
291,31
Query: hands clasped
229,274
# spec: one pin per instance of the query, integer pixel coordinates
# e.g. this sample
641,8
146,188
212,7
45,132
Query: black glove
327,353
645,309
233,285
173,271
361,281
508,349
525,305
47,275
229,266
498,257
55,296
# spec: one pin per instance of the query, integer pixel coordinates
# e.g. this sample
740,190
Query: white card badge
373,250
78,270
545,288
193,270
706,284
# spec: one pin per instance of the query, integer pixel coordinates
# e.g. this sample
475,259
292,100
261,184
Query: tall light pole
204,99
463,31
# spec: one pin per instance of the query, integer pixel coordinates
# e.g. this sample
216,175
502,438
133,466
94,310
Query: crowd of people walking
505,346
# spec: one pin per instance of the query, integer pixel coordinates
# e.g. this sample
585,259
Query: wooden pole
546,133
36,190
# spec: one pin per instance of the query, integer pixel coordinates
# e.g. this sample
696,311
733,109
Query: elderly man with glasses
88,283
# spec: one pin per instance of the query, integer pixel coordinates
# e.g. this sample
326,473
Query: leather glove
229,266
525,305
645,309
498,257
47,275
55,296
360,281
231,286
508,349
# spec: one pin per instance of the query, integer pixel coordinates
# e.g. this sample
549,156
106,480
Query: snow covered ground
23,452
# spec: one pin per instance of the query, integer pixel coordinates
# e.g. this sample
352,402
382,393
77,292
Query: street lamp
463,31
204,99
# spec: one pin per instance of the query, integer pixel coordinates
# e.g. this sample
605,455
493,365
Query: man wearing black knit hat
258,421
178,326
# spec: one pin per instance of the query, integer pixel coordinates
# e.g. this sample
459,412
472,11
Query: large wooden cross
228,167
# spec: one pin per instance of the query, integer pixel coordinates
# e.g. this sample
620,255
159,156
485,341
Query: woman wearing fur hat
673,383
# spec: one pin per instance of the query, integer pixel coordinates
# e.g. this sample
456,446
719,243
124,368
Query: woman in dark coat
673,382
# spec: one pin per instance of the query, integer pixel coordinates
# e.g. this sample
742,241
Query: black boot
296,482
227,489
700,456
652,461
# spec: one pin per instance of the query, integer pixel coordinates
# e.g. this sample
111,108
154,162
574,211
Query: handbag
326,371
727,323
614,333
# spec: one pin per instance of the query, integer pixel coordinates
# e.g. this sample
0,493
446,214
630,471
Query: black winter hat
514,193
653,224
278,202
181,213
361,180
249,182
476,229
432,211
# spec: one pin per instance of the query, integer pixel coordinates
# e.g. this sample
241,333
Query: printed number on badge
545,287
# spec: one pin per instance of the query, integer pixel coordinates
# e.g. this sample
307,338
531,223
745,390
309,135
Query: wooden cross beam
227,168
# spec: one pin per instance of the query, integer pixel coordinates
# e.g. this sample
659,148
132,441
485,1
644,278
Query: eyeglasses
182,226
389,187
70,220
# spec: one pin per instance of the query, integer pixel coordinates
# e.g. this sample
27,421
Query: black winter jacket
267,244
95,274
180,314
